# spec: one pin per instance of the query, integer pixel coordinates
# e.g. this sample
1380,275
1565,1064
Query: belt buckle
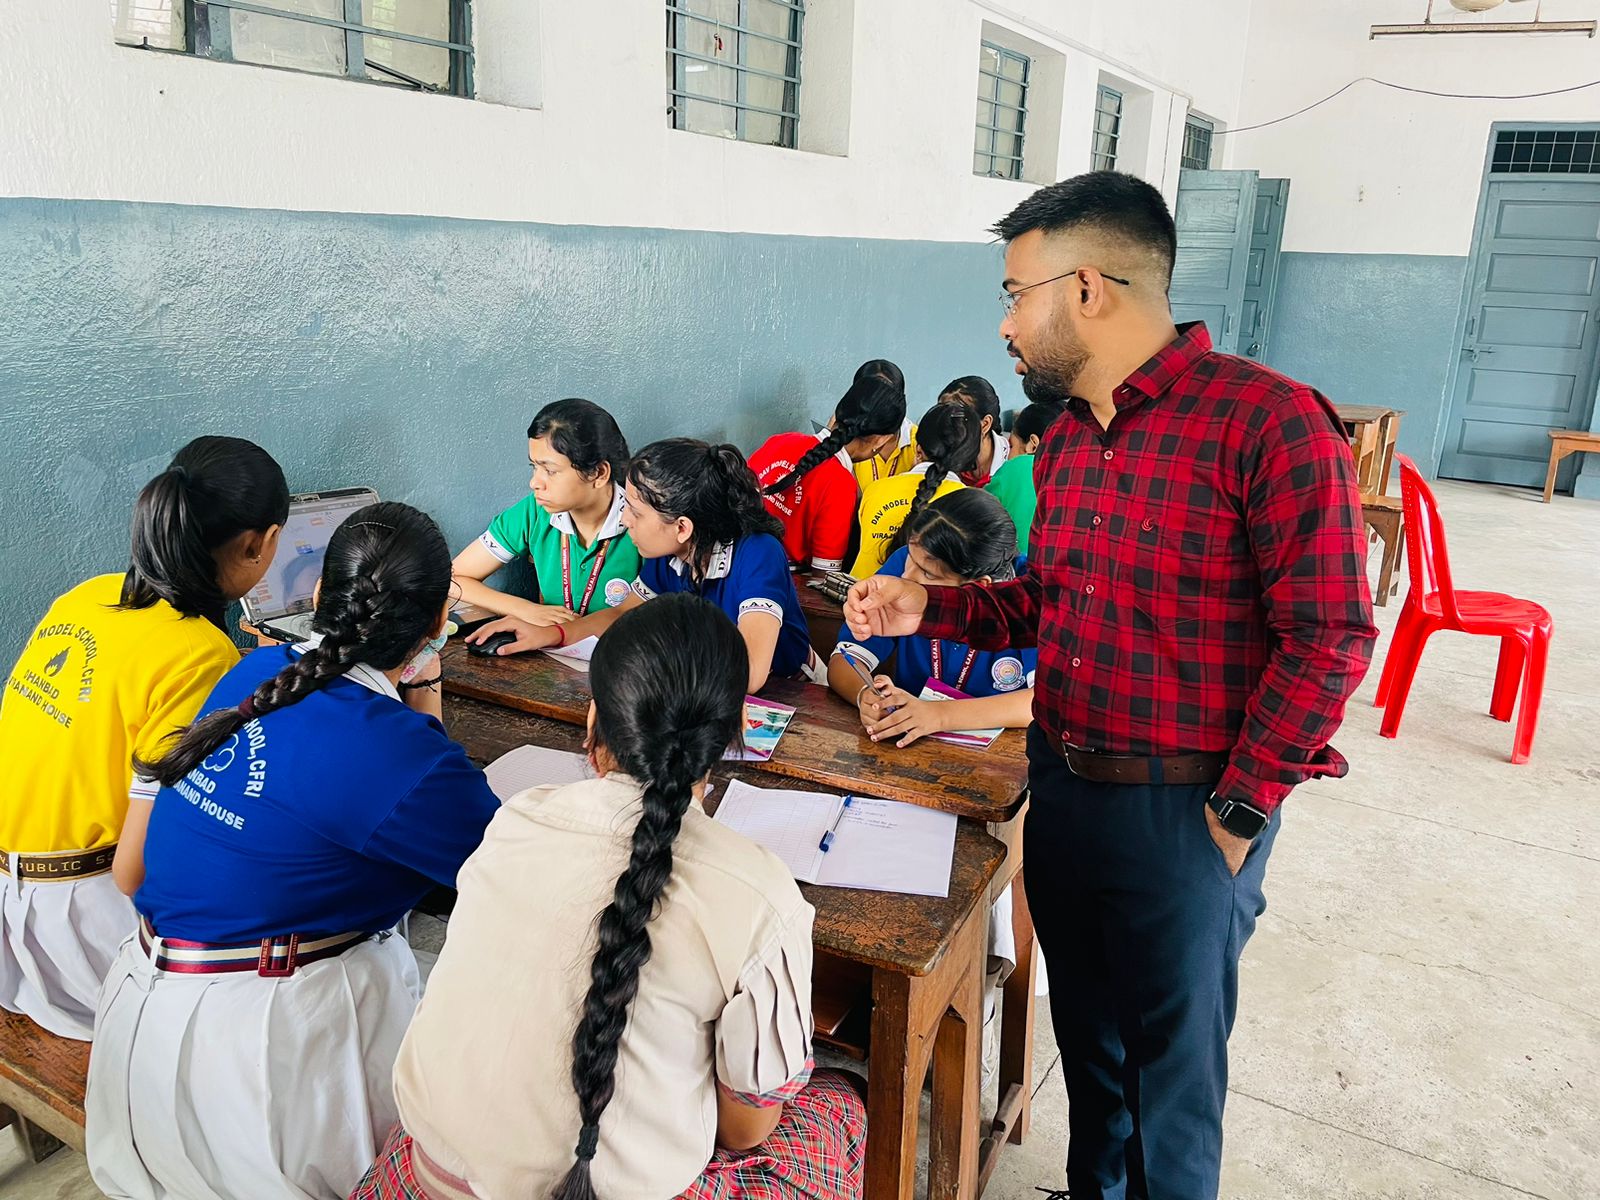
267,968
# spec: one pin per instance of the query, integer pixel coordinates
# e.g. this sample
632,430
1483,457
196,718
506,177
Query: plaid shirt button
1107,456
1077,662
1088,589
1096,521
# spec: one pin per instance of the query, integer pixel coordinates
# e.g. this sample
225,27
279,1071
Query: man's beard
1054,372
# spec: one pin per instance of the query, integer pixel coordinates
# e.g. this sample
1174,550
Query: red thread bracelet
561,637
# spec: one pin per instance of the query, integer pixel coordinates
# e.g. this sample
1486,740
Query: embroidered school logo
616,592
1007,674
53,667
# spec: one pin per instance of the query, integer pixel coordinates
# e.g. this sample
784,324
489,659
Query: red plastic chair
1523,627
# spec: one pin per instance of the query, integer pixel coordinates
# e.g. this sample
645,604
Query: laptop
279,607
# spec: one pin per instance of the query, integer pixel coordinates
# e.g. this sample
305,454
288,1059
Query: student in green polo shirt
569,528
1012,484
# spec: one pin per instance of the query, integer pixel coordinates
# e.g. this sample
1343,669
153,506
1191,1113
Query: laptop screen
287,586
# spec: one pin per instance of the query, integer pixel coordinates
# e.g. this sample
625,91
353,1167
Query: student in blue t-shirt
246,1036
963,537
695,513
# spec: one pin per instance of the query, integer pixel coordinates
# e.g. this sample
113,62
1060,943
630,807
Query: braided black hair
874,405
710,485
587,434
384,584
970,532
215,489
948,436
669,681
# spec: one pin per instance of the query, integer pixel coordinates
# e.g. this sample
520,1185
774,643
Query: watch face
1239,818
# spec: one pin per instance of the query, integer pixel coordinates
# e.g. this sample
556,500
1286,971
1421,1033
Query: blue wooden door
1528,352
1215,219
1261,276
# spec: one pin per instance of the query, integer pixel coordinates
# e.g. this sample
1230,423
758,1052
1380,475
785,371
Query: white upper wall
1385,172
84,118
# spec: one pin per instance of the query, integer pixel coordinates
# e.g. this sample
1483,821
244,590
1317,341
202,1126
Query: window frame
989,93
1103,154
1545,150
1195,123
207,37
678,94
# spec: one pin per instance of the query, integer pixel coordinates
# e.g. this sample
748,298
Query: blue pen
827,838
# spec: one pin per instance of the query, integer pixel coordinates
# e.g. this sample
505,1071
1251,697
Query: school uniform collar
562,522
719,566
597,803
368,677
920,468
840,456
1002,451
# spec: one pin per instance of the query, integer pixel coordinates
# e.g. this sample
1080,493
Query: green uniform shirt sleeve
510,535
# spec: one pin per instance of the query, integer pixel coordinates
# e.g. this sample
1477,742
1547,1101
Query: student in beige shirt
663,1049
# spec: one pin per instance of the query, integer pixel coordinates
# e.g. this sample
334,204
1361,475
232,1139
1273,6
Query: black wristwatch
1238,817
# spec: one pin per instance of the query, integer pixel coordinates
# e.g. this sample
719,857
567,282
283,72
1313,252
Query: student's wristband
561,637
865,687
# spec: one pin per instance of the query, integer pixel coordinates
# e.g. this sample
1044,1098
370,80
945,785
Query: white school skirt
238,1087
57,941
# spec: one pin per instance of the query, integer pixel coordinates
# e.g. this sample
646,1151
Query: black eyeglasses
1008,300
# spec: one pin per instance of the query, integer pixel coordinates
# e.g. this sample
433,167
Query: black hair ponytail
969,531
711,485
949,437
875,404
384,585
669,681
587,434
215,489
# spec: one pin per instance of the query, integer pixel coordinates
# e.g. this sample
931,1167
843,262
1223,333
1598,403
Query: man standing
1198,595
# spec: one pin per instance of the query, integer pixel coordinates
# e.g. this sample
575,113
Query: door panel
1261,277
1529,354
1214,215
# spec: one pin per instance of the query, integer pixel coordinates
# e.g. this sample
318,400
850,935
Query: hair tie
588,1142
247,708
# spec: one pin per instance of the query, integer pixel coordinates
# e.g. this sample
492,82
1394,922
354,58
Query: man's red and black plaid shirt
1197,576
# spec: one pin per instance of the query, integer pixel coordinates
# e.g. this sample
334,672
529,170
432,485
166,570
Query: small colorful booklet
764,723
977,739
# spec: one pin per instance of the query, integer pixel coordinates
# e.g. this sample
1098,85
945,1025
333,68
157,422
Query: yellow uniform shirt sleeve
175,700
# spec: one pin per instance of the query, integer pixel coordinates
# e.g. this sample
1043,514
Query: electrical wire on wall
1401,87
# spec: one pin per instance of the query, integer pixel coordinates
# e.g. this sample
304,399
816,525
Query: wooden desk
823,616
824,743
1373,431
41,1084
926,956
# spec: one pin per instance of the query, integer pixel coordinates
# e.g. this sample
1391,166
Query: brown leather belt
58,868
1097,767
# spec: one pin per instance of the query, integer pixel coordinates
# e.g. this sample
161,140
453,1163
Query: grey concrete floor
1420,1008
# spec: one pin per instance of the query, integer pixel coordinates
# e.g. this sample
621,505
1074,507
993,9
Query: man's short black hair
1123,206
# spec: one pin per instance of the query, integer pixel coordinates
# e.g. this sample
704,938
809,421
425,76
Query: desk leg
1557,453
957,1077
1017,1014
898,1059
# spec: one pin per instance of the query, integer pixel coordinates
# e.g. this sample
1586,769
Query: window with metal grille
733,68
1197,133
1546,152
1107,128
421,44
1002,111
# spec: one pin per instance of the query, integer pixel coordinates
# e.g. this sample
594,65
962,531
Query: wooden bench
1384,514
1562,443
42,1077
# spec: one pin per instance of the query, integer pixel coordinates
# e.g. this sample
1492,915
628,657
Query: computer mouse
490,646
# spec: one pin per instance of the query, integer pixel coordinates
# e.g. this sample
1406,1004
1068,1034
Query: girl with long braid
808,482
246,1035
947,444
117,663
648,1052
695,514
994,448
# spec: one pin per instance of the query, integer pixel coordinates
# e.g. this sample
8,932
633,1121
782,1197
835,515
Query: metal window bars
1002,111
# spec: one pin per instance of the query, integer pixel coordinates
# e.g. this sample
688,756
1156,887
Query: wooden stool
1562,443
41,1085
1386,516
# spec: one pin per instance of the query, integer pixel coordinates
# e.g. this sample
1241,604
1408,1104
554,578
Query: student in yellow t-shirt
117,664
948,439
895,457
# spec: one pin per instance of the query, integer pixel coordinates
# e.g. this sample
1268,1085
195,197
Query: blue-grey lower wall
1372,329
410,353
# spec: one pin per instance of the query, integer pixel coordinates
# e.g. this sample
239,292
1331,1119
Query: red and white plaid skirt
817,1152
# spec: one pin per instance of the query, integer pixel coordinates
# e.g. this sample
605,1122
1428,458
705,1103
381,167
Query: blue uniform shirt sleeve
760,579
439,822
875,651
